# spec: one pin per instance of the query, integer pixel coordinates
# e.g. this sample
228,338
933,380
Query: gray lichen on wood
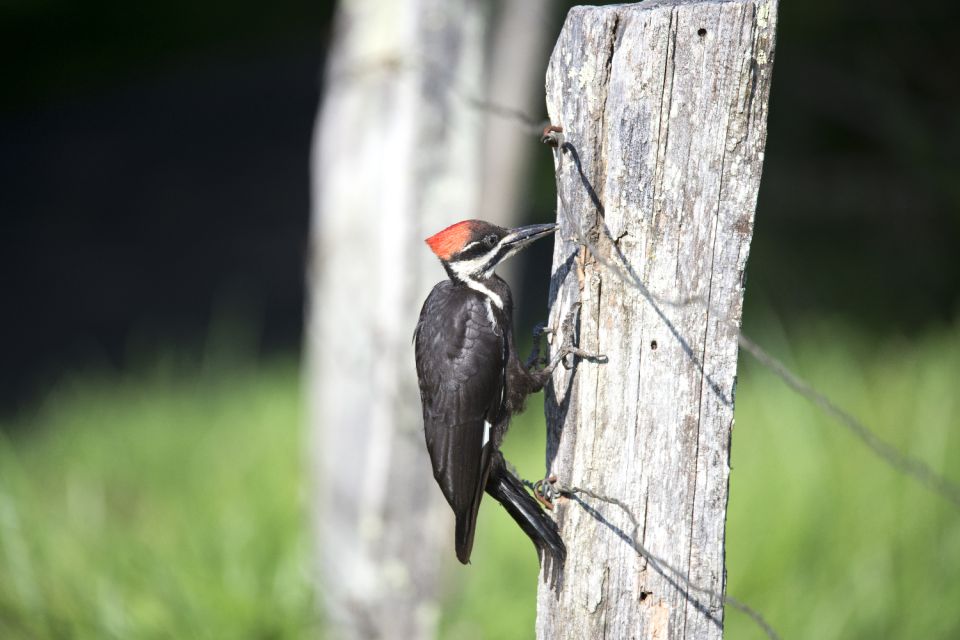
664,108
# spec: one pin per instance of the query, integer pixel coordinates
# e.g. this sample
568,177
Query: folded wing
460,355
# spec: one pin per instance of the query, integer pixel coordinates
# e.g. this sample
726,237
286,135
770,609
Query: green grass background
170,504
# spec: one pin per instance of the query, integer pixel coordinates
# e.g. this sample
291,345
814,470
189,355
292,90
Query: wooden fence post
664,107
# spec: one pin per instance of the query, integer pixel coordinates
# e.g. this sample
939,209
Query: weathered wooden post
663,107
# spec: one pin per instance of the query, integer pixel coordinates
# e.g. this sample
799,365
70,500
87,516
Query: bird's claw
567,348
538,332
541,330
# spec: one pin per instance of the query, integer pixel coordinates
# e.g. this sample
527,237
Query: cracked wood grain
664,108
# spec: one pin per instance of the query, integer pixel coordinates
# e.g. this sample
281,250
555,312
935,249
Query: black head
472,249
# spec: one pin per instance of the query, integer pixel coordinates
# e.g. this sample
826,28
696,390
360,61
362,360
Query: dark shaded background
153,159
154,169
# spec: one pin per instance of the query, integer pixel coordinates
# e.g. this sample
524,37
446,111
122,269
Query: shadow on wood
663,107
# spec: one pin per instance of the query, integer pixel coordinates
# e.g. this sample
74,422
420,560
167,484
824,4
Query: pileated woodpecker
472,382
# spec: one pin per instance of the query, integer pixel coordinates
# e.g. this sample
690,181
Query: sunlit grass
171,505
163,506
822,536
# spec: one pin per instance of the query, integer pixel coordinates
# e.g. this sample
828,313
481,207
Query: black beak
522,236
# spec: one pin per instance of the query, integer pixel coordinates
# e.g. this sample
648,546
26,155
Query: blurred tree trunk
663,108
395,159
518,56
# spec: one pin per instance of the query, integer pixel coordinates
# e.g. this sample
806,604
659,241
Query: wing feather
460,360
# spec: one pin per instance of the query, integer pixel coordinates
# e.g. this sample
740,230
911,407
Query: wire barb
552,136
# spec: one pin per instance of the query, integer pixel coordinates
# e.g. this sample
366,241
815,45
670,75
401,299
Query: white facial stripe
479,286
468,271
467,268
476,266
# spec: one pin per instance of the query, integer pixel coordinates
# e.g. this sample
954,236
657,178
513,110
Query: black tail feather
466,525
539,527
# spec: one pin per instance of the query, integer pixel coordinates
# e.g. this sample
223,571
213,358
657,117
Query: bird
472,381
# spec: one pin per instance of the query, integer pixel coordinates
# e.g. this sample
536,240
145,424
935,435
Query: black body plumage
471,382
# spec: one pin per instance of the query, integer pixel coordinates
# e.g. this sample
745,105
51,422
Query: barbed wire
548,491
904,463
519,117
659,563
438,71
901,462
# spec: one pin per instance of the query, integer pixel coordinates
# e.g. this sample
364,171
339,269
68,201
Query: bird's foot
536,360
568,348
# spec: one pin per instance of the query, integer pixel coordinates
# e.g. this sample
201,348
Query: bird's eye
490,240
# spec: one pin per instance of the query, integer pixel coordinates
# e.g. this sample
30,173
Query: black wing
461,354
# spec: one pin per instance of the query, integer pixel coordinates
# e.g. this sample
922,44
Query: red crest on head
450,240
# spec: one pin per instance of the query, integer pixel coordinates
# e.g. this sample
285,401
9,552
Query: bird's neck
491,286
